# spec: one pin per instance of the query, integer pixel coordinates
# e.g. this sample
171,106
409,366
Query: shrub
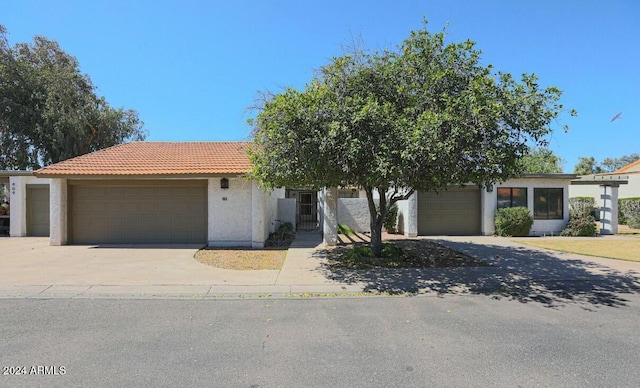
282,236
513,221
363,253
629,212
584,225
391,219
582,206
621,219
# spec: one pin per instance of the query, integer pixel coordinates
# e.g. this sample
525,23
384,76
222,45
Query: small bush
513,221
629,212
582,206
391,219
584,225
282,236
358,253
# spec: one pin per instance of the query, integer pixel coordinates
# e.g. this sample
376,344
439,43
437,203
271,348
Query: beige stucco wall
242,215
230,213
287,211
354,212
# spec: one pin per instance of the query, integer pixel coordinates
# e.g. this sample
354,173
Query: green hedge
629,212
582,206
513,221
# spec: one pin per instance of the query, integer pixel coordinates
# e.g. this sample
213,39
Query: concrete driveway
29,264
32,268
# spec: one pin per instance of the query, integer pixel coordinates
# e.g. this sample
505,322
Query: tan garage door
138,213
37,210
451,212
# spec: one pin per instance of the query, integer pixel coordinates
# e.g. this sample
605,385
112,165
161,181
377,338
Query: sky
193,69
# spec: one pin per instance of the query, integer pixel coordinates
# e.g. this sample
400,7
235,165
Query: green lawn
591,246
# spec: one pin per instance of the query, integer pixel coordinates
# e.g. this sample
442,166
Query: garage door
449,212
138,213
37,210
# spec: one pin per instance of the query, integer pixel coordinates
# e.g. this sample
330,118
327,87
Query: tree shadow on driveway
518,273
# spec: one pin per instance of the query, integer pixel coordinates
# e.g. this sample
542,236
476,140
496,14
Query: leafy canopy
49,110
587,166
541,160
424,116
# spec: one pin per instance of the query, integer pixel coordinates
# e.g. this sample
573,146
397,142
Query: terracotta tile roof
629,168
157,158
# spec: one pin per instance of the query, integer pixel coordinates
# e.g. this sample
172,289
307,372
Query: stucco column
18,211
330,216
488,207
258,214
609,210
412,218
58,212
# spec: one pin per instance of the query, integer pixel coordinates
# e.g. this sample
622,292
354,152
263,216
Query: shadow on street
517,273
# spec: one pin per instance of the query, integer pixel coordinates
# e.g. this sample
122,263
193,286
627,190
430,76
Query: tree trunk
377,216
376,237
377,219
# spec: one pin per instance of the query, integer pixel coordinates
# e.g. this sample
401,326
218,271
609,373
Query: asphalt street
450,341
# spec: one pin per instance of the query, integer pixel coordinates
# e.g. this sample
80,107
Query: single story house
160,193
198,193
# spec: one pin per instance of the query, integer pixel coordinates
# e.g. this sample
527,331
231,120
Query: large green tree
422,117
541,160
49,110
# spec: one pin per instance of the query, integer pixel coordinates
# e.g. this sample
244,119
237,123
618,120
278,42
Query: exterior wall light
224,183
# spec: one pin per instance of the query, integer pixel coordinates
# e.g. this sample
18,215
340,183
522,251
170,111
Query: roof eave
550,176
601,180
141,176
9,173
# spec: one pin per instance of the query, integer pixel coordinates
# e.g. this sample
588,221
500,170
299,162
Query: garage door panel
146,207
182,207
138,213
37,216
449,212
113,192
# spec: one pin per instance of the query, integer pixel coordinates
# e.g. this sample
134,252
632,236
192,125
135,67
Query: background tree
541,160
49,110
422,117
612,164
589,165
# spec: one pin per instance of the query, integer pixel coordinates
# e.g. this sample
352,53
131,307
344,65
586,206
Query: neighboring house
630,172
159,193
606,189
28,199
